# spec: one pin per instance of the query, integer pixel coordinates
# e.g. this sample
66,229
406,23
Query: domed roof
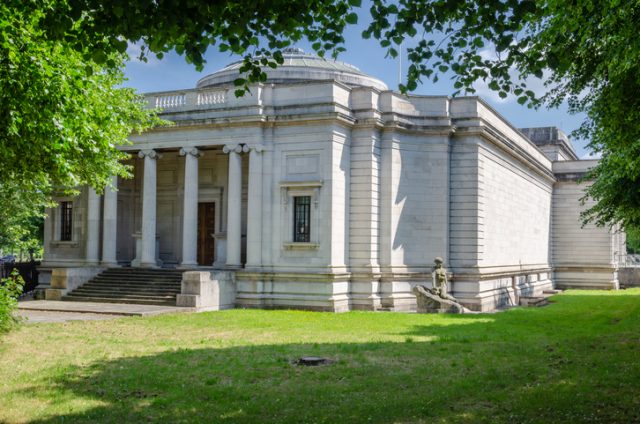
299,66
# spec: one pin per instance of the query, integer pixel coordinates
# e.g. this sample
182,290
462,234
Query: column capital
228,148
258,148
151,154
193,151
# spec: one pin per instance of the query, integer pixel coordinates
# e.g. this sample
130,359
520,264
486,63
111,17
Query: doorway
206,229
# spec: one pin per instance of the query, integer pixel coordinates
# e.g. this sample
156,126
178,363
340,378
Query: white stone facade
392,182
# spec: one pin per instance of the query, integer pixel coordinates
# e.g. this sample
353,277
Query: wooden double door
206,229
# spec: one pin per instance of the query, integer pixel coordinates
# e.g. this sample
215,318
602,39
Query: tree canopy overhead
586,50
61,117
245,27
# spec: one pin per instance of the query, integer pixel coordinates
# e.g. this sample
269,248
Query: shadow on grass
576,361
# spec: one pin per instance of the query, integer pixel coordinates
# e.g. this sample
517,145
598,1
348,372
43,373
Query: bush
633,240
10,290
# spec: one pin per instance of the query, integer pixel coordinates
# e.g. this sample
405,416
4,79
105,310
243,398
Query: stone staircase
145,286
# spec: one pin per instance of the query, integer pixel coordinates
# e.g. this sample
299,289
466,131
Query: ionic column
93,228
110,224
190,209
234,205
148,247
254,207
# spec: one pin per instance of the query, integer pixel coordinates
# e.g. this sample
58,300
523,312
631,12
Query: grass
577,360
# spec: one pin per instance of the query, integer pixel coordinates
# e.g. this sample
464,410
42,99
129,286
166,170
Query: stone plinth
63,280
207,291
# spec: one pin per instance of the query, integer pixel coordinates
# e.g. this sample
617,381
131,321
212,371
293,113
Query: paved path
34,316
117,309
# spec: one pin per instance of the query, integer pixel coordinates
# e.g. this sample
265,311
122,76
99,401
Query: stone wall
516,213
310,291
71,253
500,210
583,257
629,277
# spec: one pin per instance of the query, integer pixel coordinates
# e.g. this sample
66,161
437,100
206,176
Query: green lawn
577,360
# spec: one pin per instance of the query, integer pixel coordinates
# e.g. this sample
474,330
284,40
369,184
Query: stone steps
139,276
533,301
142,271
128,295
71,298
126,291
130,285
121,283
143,277
538,300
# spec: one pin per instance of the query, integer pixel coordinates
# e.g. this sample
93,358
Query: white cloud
591,155
532,83
134,49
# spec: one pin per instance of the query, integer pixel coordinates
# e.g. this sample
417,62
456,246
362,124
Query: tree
61,117
586,51
633,241
257,29
22,221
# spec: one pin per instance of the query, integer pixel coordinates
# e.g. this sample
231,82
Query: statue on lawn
437,299
439,278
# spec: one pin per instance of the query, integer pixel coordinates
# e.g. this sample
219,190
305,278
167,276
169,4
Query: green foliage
22,221
62,117
259,30
10,290
633,240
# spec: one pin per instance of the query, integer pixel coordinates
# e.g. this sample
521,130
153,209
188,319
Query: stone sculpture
439,278
437,299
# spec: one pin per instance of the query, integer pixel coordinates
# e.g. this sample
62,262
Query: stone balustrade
211,97
170,100
178,99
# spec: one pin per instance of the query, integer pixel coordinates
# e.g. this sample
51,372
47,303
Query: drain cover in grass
312,361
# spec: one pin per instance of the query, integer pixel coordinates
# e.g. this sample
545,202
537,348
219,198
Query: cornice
492,135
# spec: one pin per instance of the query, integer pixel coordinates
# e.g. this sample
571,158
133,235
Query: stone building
322,189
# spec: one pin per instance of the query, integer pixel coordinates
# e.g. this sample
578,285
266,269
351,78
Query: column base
110,264
188,265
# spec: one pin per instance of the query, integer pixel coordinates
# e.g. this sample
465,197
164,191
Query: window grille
301,219
66,220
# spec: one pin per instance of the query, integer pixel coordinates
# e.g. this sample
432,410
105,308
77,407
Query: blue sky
173,73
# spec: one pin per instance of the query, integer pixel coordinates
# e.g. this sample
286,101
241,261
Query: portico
230,195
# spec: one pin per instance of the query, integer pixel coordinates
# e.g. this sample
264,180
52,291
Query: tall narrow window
301,219
66,220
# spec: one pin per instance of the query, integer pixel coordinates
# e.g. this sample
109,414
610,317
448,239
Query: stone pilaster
148,242
93,227
364,222
254,207
190,207
234,204
110,224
